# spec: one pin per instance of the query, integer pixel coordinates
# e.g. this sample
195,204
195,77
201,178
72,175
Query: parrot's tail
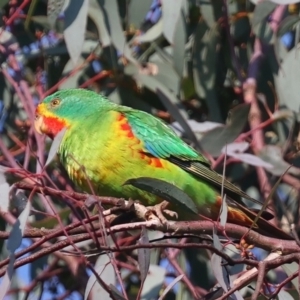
241,215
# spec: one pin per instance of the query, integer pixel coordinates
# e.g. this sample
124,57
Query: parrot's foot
160,210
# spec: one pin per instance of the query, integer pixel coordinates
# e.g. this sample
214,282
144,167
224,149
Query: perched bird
115,143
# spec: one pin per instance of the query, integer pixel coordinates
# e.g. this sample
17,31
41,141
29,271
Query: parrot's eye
55,102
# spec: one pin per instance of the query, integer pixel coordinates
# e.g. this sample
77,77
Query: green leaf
179,41
153,282
4,193
75,24
260,24
167,76
143,256
71,81
284,2
171,14
137,11
273,155
207,11
55,146
151,34
286,81
283,295
110,8
264,32
290,269
205,68
287,24
224,211
115,292
214,140
166,191
95,12
51,222
105,270
41,20
13,243
262,10
54,7
221,273
3,3
171,285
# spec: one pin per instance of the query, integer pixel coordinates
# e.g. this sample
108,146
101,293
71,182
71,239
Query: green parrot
115,143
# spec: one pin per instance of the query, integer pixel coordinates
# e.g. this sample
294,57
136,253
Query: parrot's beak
38,123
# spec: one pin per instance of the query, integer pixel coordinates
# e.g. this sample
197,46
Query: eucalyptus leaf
207,11
197,127
252,160
273,155
282,2
171,14
179,41
143,256
235,147
54,8
71,81
205,52
214,140
262,11
151,34
13,243
286,83
110,8
283,295
4,193
116,294
287,24
42,20
170,286
3,3
96,14
153,282
55,146
224,211
291,269
137,11
216,261
105,270
75,24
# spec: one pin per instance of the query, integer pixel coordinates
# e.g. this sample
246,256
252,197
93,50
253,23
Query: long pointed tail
241,215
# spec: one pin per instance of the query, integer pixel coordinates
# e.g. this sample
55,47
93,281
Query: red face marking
53,126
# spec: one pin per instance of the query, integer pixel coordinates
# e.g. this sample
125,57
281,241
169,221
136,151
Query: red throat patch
53,125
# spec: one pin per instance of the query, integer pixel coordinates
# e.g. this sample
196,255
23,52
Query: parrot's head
65,108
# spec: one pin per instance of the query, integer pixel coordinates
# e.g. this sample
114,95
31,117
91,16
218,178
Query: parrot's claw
171,213
160,210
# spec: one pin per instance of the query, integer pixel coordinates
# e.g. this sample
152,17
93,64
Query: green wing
161,141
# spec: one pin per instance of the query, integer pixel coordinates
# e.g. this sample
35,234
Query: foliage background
219,72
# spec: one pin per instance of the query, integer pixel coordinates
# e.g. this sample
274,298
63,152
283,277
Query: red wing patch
126,128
